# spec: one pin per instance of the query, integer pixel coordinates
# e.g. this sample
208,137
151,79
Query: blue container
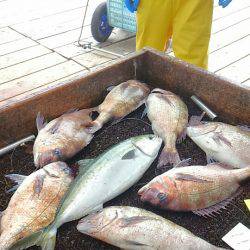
120,17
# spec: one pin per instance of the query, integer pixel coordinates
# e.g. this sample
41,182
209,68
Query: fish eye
162,197
57,151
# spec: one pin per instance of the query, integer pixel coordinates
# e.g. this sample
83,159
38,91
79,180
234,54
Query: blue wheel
100,28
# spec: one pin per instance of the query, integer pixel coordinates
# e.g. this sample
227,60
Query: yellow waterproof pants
188,22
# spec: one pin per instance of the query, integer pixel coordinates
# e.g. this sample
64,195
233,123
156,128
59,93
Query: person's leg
153,23
192,30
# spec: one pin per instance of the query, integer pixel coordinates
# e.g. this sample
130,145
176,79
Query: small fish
135,228
33,206
202,189
62,137
100,180
169,117
222,142
121,100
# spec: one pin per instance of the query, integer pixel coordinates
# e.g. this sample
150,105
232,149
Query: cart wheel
100,28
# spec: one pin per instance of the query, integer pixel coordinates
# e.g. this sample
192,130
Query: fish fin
183,163
56,126
48,241
189,177
17,178
97,209
129,155
219,138
84,165
216,208
93,127
168,156
196,120
135,244
182,136
210,159
223,165
109,88
131,221
244,128
38,184
40,121
32,240
145,111
72,110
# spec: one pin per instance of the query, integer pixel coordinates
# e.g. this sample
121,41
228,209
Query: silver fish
169,117
34,204
222,142
135,228
100,180
62,137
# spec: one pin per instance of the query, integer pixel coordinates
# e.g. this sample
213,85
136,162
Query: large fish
121,100
100,180
202,189
62,137
169,117
33,206
135,228
222,142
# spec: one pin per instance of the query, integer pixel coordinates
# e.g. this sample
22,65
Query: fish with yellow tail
100,180
222,142
120,101
62,137
33,206
135,228
169,117
204,190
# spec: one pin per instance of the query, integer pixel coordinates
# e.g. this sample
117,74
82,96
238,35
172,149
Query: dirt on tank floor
211,229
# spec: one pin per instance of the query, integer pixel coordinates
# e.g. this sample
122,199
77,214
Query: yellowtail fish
100,180
62,137
202,189
135,228
33,206
169,117
222,142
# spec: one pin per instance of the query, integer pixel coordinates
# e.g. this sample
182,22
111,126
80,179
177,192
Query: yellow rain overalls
188,22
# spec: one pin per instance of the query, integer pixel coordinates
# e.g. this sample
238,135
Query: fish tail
169,156
243,174
48,240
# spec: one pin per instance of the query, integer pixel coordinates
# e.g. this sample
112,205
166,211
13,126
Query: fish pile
52,195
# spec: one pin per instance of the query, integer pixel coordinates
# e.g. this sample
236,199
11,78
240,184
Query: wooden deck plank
233,7
238,71
229,54
8,35
71,50
16,45
227,36
230,20
92,59
15,11
22,55
38,79
29,67
52,25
